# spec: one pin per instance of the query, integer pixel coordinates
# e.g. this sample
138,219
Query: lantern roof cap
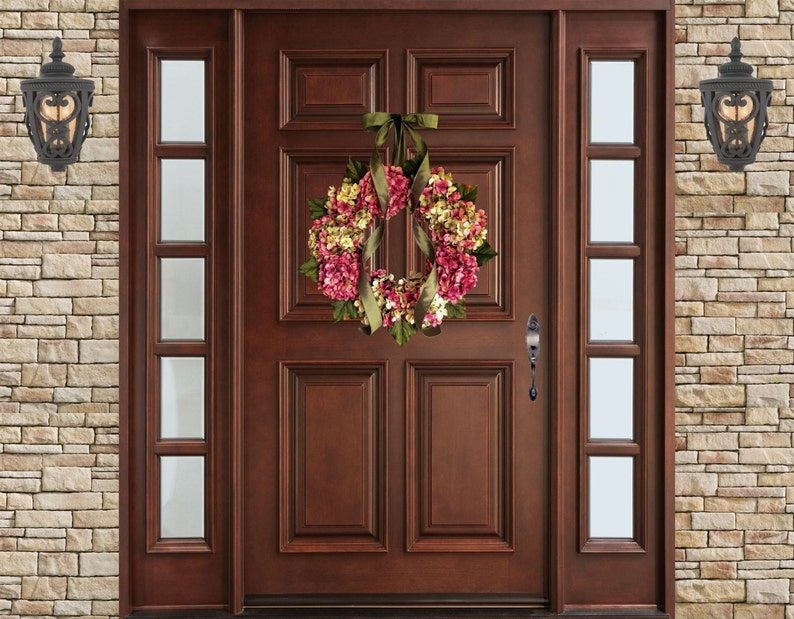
736,67
57,67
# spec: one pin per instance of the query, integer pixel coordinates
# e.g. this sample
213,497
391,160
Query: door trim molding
130,379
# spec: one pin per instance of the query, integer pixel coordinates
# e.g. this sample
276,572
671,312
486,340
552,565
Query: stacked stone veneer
735,330
59,329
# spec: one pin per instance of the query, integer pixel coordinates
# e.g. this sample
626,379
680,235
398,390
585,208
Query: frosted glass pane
182,200
611,497
612,101
611,201
182,100
181,397
611,300
181,496
611,398
182,298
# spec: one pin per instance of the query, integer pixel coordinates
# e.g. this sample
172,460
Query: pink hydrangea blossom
457,273
399,192
338,276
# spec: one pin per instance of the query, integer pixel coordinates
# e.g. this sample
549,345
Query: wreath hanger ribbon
383,122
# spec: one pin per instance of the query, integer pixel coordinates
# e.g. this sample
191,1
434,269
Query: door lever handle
533,348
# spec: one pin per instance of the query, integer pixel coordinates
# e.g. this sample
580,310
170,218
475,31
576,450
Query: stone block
106,540
44,588
99,351
43,375
767,455
704,610
707,521
759,611
768,395
761,8
72,608
768,591
18,563
696,289
710,590
99,564
695,484
713,246
708,183
67,500
765,261
710,396
768,183
93,588
68,266
713,326
65,479
712,441
764,522
58,351
18,351
93,375
58,564
34,608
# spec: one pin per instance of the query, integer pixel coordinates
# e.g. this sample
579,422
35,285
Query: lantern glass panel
59,118
736,114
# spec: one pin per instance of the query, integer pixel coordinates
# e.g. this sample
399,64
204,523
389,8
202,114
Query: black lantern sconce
56,110
736,111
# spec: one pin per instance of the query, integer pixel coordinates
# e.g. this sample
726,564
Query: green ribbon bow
383,123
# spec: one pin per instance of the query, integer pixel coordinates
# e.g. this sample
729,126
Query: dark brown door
371,469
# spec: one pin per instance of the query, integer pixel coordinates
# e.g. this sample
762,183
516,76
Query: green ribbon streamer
368,301
382,123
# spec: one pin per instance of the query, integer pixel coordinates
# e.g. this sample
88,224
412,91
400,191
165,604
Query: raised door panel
460,456
468,88
305,174
331,89
332,495
491,170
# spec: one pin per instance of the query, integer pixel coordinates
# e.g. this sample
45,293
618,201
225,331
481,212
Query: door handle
533,348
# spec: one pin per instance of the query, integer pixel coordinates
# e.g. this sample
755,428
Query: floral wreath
348,226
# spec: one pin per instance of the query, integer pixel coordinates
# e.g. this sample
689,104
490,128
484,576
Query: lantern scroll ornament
736,111
56,110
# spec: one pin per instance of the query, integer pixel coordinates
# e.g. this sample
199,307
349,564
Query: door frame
561,473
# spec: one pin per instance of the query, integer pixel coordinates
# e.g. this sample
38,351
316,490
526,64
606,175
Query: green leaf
317,207
355,170
485,253
402,331
456,310
311,269
469,193
344,309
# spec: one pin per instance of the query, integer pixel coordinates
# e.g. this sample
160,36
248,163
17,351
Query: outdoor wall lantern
736,111
56,110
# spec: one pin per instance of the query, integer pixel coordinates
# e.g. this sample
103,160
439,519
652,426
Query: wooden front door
418,474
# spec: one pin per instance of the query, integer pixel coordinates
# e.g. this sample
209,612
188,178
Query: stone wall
735,331
59,329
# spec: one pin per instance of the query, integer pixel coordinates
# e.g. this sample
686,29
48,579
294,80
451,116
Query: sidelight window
612,211
180,344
